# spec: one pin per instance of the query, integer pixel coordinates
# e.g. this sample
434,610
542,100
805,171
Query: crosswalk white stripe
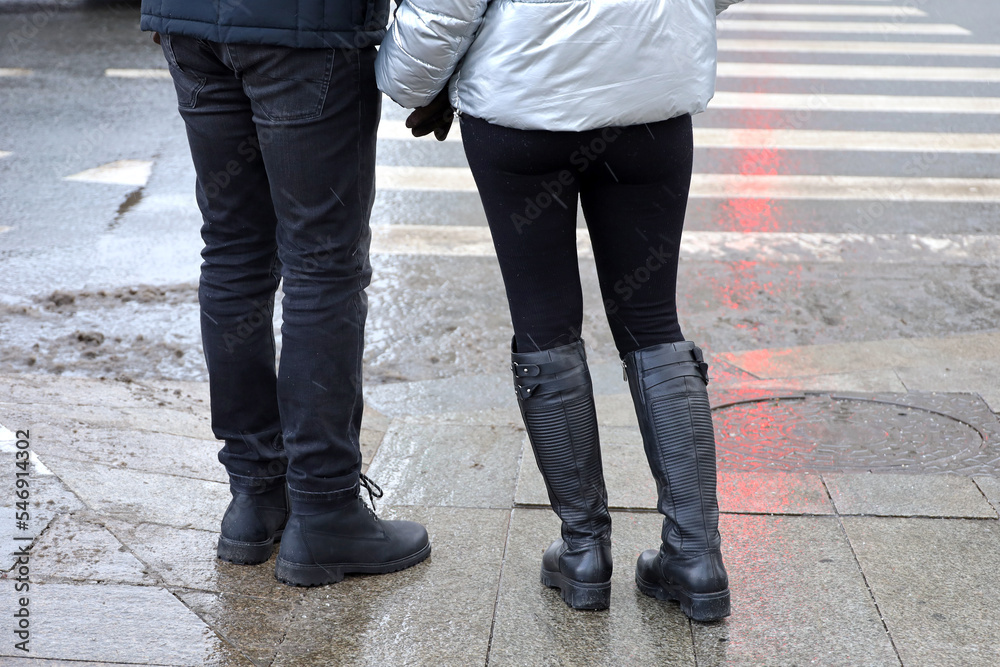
712,137
15,71
469,241
5,229
728,186
823,10
155,73
4,154
855,27
832,46
859,72
846,141
876,103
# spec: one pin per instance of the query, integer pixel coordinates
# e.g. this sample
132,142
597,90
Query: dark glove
436,117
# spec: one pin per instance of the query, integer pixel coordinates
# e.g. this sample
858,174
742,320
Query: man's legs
239,272
316,113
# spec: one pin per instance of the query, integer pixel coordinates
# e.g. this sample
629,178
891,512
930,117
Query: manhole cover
824,432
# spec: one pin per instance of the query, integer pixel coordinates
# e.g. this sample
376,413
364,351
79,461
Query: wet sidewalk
858,487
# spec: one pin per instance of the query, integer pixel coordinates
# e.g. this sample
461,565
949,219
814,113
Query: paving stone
78,547
616,410
448,465
45,662
142,451
480,392
990,487
117,623
156,419
979,376
935,582
866,355
534,626
41,389
50,498
505,416
773,493
373,428
145,497
254,625
908,495
438,612
873,380
186,559
798,598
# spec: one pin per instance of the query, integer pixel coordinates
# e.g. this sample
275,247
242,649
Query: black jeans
283,142
633,185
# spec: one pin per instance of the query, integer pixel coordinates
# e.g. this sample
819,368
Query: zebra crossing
788,59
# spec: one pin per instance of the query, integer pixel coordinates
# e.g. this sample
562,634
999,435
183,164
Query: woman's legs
635,213
529,194
634,199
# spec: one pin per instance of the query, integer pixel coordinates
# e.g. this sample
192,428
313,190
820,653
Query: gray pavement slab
47,662
438,612
798,598
131,450
981,376
185,559
50,498
534,626
256,626
78,547
448,464
773,493
908,495
935,582
43,389
990,486
118,623
144,497
182,423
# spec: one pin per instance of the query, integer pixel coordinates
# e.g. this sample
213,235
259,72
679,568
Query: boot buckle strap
526,370
667,373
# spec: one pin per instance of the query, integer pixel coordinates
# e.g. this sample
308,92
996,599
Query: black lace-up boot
556,397
254,520
321,544
668,384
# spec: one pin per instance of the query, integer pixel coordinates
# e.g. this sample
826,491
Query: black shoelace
373,489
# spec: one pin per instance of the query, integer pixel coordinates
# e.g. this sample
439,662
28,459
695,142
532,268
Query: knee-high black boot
668,388
556,398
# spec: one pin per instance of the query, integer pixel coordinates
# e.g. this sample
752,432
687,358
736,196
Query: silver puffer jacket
554,64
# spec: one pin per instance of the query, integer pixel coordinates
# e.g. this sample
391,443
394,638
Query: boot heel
705,607
578,594
244,553
295,574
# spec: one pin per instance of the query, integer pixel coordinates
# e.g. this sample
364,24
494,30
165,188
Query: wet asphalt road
99,279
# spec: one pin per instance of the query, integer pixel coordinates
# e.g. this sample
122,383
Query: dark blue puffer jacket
308,24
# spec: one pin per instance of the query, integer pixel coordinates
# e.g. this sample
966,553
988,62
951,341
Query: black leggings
633,185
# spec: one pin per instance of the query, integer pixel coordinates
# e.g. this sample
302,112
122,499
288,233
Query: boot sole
246,553
579,594
299,574
704,607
